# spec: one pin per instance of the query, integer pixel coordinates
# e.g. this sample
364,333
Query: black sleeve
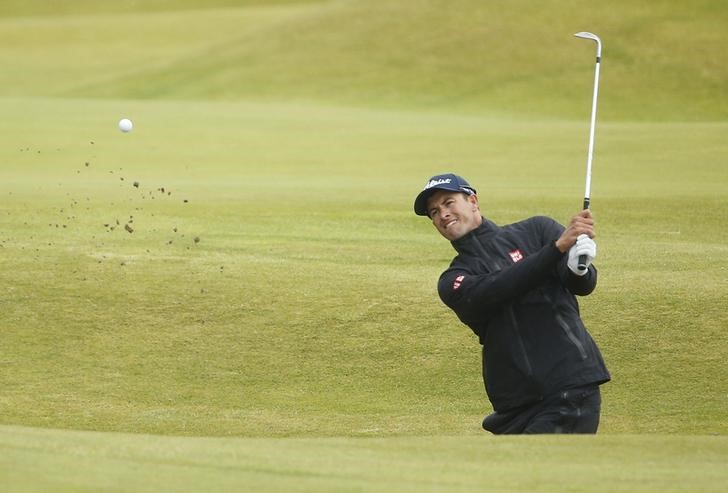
471,295
577,285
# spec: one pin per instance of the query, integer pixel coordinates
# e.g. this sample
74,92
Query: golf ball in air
125,125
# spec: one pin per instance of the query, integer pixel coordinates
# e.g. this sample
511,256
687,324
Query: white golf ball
125,125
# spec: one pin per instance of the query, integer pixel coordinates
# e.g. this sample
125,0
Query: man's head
452,205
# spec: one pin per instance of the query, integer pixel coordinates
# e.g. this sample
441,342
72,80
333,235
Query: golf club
587,189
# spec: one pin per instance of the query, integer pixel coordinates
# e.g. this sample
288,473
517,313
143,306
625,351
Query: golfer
515,287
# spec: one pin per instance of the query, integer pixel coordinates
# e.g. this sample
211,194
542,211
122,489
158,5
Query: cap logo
467,190
434,183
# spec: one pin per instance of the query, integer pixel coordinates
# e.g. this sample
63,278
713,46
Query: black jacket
512,287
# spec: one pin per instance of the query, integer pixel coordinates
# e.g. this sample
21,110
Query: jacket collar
483,233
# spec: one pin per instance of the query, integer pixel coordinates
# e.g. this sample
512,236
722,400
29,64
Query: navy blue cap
448,181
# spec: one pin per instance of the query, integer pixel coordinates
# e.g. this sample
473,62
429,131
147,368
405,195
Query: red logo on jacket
458,281
516,255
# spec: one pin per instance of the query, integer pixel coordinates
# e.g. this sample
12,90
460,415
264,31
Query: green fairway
83,461
236,295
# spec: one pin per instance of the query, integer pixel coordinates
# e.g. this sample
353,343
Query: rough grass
659,60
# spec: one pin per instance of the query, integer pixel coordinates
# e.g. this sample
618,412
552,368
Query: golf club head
592,36
586,35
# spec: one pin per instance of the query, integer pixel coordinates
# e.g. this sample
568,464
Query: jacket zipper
572,337
516,328
567,328
521,345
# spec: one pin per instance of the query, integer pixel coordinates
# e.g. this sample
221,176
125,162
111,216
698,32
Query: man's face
453,213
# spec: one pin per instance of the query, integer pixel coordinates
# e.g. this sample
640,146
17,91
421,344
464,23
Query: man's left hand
583,246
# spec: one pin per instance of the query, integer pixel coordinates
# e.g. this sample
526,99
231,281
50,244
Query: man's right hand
580,224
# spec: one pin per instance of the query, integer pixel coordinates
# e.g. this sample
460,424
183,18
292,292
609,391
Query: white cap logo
434,183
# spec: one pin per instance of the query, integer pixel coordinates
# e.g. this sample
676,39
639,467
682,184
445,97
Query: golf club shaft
582,264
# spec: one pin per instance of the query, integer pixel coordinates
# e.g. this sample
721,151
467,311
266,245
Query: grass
272,321
296,304
448,56
82,461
